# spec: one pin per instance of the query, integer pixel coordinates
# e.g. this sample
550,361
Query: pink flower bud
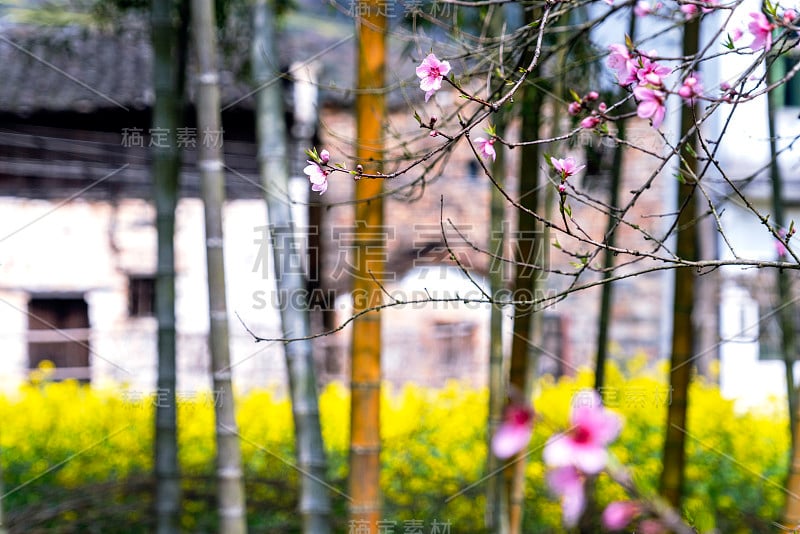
324,156
590,122
574,108
592,96
433,133
602,107
562,188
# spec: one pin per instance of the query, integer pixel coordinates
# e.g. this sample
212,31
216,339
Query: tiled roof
86,70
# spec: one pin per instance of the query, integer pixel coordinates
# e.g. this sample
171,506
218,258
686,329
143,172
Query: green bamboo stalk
683,333
230,480
496,514
527,281
604,319
168,85
314,505
786,316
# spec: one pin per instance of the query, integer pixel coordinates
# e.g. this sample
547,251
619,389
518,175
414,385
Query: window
141,296
455,341
58,331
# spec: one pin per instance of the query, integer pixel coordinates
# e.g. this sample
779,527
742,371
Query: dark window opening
58,332
141,296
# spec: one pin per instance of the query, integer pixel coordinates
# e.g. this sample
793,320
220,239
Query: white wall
90,248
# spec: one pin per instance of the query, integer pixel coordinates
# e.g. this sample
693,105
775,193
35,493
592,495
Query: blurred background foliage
78,459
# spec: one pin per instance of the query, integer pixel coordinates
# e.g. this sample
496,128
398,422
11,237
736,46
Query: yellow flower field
56,437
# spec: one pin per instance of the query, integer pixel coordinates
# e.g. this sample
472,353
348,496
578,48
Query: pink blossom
317,175
602,107
618,514
780,244
644,8
737,34
562,188
651,104
620,60
567,483
514,432
574,108
591,96
691,89
780,248
650,72
324,156
689,10
761,29
566,166
486,148
431,72
584,445
789,15
590,122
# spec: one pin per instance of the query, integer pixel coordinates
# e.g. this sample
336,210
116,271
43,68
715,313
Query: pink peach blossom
590,122
431,72
574,108
644,8
317,175
514,433
691,89
651,104
486,148
620,60
761,29
650,72
584,445
566,166
780,244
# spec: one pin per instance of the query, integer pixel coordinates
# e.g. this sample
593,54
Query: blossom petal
510,438
619,514
558,451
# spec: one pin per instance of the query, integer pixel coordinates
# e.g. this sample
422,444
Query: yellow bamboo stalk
365,444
